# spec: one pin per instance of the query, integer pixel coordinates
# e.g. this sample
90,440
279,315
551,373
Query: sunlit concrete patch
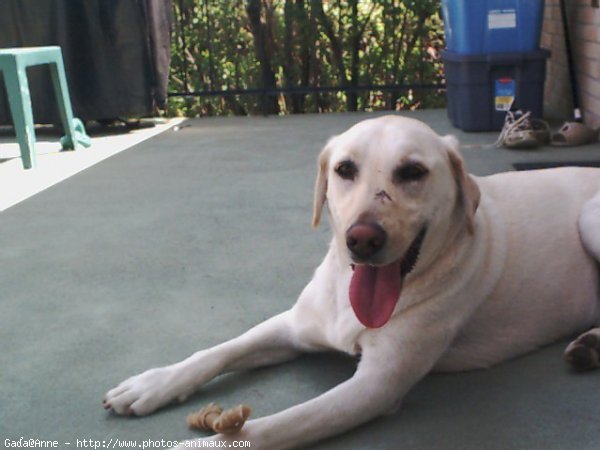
54,165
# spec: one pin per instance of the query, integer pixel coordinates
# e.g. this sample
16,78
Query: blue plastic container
481,88
492,26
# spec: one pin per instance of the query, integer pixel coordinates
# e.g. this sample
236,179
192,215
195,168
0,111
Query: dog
429,269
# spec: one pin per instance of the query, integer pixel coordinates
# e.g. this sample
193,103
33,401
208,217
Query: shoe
575,133
521,131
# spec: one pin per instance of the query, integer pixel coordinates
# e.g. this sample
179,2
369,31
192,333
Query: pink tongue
374,292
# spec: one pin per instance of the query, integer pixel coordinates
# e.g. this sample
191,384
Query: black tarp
116,54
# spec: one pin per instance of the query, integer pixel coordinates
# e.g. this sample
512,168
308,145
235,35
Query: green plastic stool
13,64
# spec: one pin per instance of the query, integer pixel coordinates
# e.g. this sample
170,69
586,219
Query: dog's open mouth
375,290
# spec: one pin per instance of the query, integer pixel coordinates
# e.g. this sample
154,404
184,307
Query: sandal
521,131
574,133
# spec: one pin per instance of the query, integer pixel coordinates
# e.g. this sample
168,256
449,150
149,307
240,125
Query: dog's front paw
146,392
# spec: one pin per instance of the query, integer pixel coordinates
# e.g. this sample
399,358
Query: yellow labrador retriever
429,268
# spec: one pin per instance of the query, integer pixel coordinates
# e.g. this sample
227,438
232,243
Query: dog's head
395,190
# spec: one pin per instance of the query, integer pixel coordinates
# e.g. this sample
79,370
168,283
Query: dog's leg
392,362
589,226
270,342
584,352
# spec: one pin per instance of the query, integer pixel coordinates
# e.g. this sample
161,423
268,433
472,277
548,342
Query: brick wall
584,27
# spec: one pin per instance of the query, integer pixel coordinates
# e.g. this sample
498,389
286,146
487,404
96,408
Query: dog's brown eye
346,170
410,172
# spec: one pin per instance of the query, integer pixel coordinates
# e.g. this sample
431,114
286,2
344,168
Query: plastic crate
481,88
492,26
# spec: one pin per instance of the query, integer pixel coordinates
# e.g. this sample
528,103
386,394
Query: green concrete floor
191,238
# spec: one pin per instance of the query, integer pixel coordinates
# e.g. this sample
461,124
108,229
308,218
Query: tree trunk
260,34
314,75
293,101
305,66
352,96
334,40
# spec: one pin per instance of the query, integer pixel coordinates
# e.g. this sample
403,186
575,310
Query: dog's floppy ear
468,191
321,186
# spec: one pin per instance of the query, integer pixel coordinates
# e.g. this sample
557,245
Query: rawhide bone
213,418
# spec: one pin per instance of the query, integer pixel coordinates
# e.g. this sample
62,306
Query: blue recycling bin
492,26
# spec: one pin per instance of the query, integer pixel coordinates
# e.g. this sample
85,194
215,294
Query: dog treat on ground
205,417
213,418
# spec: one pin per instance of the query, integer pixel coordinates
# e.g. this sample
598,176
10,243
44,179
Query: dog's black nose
365,239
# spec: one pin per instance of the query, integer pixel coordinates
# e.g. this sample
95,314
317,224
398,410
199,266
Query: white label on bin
502,18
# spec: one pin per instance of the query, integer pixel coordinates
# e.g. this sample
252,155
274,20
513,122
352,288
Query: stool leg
61,90
19,101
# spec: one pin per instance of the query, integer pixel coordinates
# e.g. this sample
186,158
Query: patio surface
55,165
192,237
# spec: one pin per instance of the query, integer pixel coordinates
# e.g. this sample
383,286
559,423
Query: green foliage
302,43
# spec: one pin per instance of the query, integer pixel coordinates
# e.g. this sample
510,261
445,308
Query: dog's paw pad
584,352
